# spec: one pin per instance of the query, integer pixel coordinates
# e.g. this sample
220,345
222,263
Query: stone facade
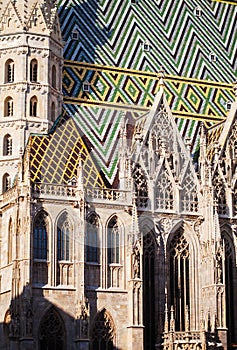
150,264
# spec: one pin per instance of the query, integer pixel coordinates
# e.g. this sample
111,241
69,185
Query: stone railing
45,190
190,340
107,195
8,196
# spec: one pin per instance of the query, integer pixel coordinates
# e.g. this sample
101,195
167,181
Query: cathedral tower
30,85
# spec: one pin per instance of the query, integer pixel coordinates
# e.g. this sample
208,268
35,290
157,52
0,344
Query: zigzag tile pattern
112,32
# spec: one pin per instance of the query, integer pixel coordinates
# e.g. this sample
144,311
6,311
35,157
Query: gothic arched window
6,182
41,236
51,332
64,239
54,77
92,239
33,106
7,145
231,318
103,334
141,188
149,250
9,71
8,107
113,241
9,248
53,112
179,278
34,71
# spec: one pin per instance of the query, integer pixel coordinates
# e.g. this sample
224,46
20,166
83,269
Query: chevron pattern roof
120,46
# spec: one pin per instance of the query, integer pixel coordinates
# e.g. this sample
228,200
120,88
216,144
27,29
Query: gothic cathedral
118,168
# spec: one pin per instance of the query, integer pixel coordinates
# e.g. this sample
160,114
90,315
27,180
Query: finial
161,76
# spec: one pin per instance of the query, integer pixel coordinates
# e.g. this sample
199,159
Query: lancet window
64,239
92,239
113,241
51,332
179,278
10,233
54,77
6,182
41,236
103,334
9,71
7,145
189,199
8,107
33,106
34,71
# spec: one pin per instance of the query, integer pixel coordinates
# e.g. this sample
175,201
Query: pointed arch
92,238
149,272
113,240
8,107
53,111
7,145
54,77
103,335
6,182
52,333
178,252
230,274
9,71
164,192
33,106
34,70
40,248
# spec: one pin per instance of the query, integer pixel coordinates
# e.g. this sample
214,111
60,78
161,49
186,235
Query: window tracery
189,198
51,332
92,239
220,195
164,192
103,334
141,188
6,182
40,236
179,277
113,241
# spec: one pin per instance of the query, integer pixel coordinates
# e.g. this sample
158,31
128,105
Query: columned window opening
6,182
179,278
8,107
54,77
9,71
33,106
52,332
103,334
113,242
92,239
149,249
34,71
7,145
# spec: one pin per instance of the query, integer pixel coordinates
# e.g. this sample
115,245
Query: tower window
54,79
40,236
9,72
6,182
7,145
53,112
33,71
75,35
92,239
8,107
113,241
33,106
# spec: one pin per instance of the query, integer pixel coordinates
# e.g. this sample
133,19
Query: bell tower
31,60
